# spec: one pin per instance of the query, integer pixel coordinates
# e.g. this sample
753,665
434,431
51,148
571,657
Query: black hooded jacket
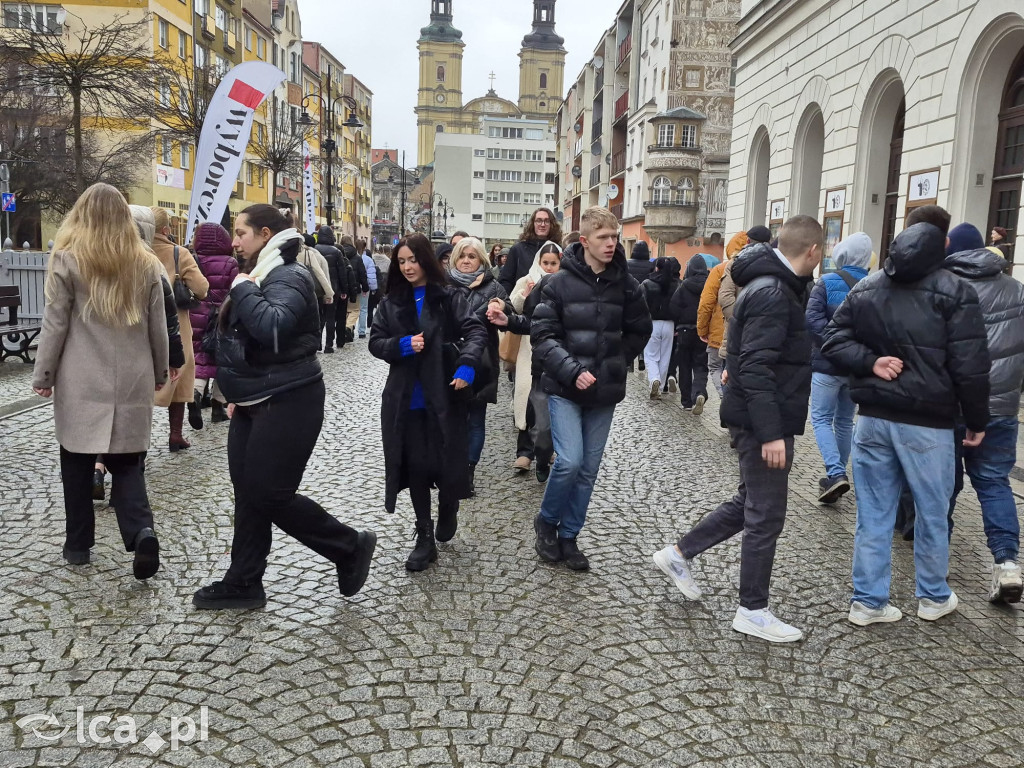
359,283
520,259
686,299
485,383
337,268
639,263
660,288
927,317
273,329
589,322
769,348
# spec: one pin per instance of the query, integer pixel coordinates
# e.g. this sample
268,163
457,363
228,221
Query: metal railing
622,105
618,162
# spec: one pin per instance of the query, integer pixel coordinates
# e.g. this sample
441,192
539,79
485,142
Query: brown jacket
182,390
103,377
710,321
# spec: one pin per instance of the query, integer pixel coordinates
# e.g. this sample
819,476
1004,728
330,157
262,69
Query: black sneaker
832,489
543,472
76,558
147,555
572,557
329,351
547,540
220,595
195,413
352,578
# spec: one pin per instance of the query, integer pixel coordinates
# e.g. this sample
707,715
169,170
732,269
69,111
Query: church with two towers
440,107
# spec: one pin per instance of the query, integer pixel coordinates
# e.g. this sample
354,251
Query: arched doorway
1008,174
809,154
892,184
758,167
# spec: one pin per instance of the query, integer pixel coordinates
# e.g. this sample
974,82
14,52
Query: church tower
440,96
542,65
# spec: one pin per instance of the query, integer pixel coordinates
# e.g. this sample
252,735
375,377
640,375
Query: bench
16,339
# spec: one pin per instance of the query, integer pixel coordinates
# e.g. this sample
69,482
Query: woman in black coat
433,342
470,273
691,353
267,335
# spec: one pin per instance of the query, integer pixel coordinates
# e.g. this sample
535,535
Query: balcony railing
673,148
618,162
622,105
617,211
686,199
595,175
597,128
578,148
599,84
230,42
209,28
625,47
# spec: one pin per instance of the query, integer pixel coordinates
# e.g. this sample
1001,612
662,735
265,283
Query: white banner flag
225,137
308,193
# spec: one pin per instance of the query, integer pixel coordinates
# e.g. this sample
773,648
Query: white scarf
270,257
536,273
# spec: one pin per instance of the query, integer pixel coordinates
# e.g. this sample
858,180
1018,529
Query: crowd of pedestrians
912,371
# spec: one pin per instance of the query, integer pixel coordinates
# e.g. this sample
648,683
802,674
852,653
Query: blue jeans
832,418
364,301
477,415
579,435
886,455
989,467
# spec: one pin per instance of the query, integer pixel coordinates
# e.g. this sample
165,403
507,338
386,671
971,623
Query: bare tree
105,72
184,95
281,148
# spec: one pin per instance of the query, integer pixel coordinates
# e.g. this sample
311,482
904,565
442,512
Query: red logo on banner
245,94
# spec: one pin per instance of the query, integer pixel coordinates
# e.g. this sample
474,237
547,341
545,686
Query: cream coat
103,377
181,391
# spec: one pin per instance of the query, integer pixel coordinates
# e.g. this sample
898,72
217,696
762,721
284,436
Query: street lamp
445,210
327,142
406,174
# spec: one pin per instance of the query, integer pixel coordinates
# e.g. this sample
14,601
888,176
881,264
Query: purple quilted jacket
217,262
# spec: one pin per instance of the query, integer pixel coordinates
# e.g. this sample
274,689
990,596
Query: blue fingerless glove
466,373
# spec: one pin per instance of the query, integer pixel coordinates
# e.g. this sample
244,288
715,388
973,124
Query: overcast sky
376,41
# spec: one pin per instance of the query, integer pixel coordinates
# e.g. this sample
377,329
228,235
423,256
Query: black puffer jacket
517,265
589,322
769,352
927,317
686,299
485,381
356,273
269,345
1001,299
339,276
639,262
660,287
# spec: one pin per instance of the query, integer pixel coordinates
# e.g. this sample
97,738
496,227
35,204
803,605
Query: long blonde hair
100,235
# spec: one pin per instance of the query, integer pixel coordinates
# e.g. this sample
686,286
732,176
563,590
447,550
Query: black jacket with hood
589,322
338,272
660,288
686,299
520,259
769,352
927,317
485,382
639,263
359,283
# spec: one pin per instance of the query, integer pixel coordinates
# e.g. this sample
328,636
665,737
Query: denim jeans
989,467
887,455
364,302
477,414
716,364
579,435
832,418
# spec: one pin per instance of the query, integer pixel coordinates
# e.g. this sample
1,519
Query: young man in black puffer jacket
335,312
764,407
912,339
591,319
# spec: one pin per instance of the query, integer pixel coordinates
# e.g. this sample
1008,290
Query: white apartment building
493,180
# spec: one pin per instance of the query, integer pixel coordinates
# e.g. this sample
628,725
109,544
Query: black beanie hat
759,234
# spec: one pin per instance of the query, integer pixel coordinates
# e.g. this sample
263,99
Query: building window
662,193
686,195
182,45
202,7
692,77
688,138
34,16
221,18
512,154
478,217
492,197
478,174
504,175
259,133
664,74
532,198
165,151
440,74
533,177
186,155
293,59
494,218
479,153
165,93
200,57
535,134
732,72
440,128
543,80
496,132
666,135
248,173
511,197
247,38
261,48
478,195
165,33
534,156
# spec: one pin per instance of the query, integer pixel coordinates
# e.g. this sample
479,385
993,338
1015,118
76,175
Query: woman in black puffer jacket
268,333
658,290
691,354
470,273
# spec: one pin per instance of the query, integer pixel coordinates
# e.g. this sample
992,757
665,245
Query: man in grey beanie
832,408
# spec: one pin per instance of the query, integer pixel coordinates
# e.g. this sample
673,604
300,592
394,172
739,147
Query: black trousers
524,440
423,459
371,305
269,445
692,356
127,497
334,320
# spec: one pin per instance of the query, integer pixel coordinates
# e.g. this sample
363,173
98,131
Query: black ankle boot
572,557
195,414
218,413
447,521
425,551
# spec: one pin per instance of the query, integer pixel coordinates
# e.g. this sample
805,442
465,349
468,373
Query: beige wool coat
103,377
181,391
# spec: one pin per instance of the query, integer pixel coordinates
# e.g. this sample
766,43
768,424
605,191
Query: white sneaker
698,407
861,615
677,569
929,610
673,386
1007,584
765,625
655,389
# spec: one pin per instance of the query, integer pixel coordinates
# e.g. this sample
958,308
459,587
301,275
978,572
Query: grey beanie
854,251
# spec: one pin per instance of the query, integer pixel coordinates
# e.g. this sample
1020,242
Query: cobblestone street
489,657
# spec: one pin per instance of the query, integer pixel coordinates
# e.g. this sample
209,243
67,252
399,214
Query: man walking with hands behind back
764,406
912,338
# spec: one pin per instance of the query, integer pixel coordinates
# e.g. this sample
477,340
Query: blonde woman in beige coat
102,353
182,391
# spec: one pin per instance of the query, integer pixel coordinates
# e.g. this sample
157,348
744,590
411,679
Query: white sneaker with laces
1007,583
698,407
655,389
673,385
930,610
765,625
677,568
861,615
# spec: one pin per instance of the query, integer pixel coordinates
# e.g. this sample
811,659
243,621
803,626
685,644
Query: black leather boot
447,521
218,413
425,551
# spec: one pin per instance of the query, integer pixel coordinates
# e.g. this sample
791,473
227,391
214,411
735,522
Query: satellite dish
577,171
613,191
596,150
578,127
598,62
559,215
608,159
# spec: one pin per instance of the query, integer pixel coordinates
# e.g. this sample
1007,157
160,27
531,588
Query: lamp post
445,210
327,142
403,184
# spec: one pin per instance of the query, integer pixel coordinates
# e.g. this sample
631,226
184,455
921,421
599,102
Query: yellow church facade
440,107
